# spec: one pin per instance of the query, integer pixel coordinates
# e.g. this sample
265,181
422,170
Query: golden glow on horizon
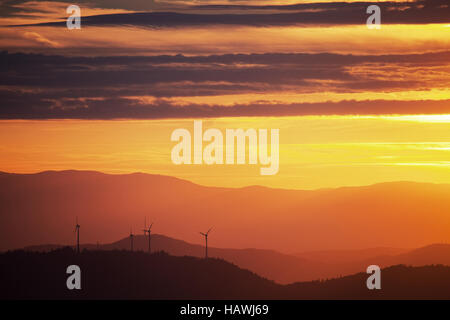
315,151
440,118
434,164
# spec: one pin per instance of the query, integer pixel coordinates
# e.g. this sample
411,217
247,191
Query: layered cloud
175,59
100,41
322,13
41,86
196,27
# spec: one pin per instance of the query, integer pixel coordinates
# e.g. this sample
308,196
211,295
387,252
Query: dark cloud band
119,108
34,86
335,13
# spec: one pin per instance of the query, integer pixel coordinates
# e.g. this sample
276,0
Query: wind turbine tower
77,230
149,230
206,242
131,238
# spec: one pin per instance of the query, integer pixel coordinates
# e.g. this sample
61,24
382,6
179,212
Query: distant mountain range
41,208
137,275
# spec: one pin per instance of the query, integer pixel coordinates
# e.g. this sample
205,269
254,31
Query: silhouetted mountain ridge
267,263
280,267
137,275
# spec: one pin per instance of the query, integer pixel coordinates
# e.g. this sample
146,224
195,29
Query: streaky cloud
334,13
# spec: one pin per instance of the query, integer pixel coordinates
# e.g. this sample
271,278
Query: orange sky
315,151
242,39
225,69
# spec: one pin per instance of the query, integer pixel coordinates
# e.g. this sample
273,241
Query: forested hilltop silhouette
280,267
138,275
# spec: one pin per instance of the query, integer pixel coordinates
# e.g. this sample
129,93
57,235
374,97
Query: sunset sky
355,106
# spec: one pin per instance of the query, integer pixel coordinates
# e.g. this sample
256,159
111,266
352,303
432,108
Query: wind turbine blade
209,230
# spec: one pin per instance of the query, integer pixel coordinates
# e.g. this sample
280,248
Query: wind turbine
77,230
206,241
131,238
149,230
